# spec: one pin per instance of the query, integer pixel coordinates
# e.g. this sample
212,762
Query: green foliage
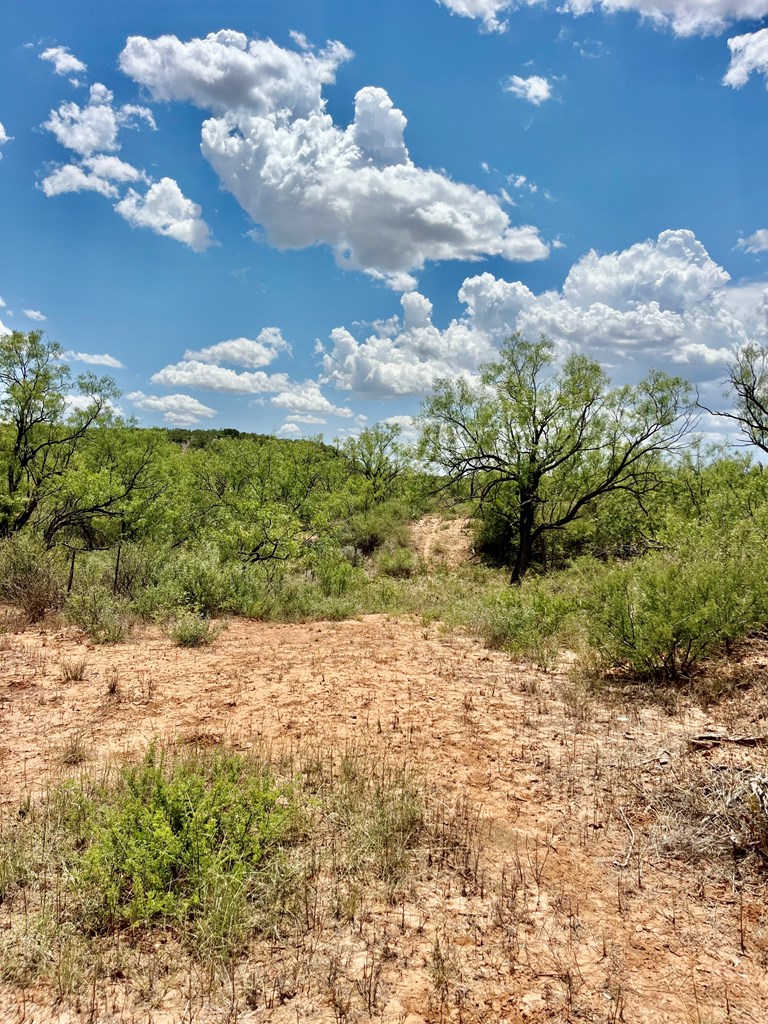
540,444
366,531
190,630
661,614
179,841
38,438
31,577
211,847
398,562
105,617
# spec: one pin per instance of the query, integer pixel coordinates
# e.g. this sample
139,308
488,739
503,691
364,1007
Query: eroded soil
585,912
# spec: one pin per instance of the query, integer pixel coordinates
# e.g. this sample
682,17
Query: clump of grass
112,679
398,562
73,669
190,630
104,617
74,751
31,578
213,849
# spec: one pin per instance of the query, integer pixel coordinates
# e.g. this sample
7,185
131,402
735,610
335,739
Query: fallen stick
708,740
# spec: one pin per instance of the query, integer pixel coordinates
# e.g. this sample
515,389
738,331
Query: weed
112,679
74,751
192,631
104,617
73,669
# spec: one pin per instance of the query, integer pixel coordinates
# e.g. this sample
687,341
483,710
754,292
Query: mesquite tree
540,443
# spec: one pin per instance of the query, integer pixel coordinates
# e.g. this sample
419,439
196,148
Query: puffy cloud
251,353
92,132
94,127
34,314
208,377
289,430
165,210
306,181
228,72
113,168
748,53
308,398
4,330
308,419
756,242
64,62
178,410
684,17
94,359
663,303
408,357
71,178
487,11
535,90
4,137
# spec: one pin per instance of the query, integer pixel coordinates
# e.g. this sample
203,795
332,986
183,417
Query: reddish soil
583,914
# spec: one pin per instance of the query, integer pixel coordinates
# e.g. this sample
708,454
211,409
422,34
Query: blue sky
295,217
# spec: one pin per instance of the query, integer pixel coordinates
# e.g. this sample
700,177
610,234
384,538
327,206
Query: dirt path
579,916
442,542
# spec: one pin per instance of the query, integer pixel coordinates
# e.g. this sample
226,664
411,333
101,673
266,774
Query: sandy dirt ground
582,913
439,541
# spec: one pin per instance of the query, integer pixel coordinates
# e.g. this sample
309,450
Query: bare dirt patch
442,542
578,908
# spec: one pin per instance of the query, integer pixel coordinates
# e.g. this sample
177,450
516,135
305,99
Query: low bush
214,848
399,562
190,630
662,613
96,610
31,577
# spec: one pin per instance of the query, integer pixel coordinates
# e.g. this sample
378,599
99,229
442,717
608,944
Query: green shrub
398,562
368,531
31,577
96,610
529,620
179,842
663,613
190,630
332,571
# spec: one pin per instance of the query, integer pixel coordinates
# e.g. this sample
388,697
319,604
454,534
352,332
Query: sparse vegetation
258,876
214,849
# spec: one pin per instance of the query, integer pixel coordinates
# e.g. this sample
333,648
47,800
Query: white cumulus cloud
165,210
34,314
307,181
178,410
749,53
684,17
307,419
4,137
289,430
93,359
226,72
249,352
64,62
756,242
71,178
94,127
487,11
192,373
113,168
662,303
308,398
535,89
